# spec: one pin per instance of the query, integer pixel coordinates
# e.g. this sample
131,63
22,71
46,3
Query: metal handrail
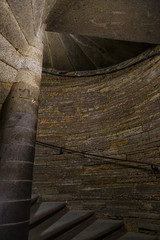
104,72
154,166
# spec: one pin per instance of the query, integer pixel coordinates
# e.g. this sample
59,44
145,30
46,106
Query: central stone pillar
17,147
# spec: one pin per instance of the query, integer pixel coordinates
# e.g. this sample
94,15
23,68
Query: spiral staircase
81,53
54,220
76,38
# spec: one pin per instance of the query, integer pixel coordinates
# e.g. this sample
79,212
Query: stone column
17,146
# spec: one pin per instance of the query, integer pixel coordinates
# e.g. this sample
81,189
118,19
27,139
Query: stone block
24,90
32,65
9,55
22,105
18,135
17,152
22,11
21,119
10,28
16,170
9,212
4,91
19,231
29,80
8,74
15,190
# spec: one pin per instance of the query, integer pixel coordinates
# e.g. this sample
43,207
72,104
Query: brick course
114,115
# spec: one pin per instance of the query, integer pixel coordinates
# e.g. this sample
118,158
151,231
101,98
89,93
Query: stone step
77,57
8,74
117,50
55,48
136,236
47,56
40,211
10,28
84,52
99,228
68,221
52,220
34,198
12,58
23,13
95,53
36,231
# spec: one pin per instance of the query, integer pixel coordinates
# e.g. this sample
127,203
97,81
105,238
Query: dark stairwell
100,95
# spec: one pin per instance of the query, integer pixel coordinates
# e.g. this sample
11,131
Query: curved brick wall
116,115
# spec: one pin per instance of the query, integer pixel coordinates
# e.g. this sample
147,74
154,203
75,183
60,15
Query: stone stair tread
94,52
66,222
136,236
42,210
59,57
22,10
98,229
16,36
77,57
34,198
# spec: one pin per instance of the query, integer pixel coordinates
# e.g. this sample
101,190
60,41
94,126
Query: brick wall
115,115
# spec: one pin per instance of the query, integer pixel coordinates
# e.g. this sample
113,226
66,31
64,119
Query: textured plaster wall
116,115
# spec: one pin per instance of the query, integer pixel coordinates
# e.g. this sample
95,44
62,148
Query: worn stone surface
34,53
10,29
33,60
58,53
108,51
122,20
47,58
18,122
17,152
62,51
8,74
15,190
25,90
16,175
28,78
4,91
32,65
77,57
9,230
15,170
59,7
115,115
11,209
38,7
22,105
47,7
23,13
9,55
